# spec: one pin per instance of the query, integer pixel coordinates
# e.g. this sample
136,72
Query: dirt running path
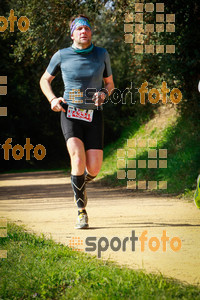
43,201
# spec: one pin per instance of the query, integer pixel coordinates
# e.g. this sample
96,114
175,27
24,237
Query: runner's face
82,35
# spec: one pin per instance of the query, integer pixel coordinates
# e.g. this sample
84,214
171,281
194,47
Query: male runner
83,67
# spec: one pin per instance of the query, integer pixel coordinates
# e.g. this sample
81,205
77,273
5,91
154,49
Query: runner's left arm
99,97
109,84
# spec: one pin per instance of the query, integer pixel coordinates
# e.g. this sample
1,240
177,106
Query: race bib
80,114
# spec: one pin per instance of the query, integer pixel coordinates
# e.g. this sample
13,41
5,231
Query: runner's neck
86,50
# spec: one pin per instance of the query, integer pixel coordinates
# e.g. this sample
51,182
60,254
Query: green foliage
25,56
179,136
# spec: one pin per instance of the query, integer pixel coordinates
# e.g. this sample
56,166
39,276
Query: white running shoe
82,220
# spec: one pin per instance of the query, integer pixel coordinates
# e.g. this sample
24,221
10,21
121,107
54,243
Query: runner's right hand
55,104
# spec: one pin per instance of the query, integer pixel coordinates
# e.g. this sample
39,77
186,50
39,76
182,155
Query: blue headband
79,22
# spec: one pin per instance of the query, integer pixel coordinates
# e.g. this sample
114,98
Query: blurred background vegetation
25,56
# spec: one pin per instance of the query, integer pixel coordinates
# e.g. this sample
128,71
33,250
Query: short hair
78,16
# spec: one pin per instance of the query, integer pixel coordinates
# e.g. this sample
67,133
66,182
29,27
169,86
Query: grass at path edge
39,268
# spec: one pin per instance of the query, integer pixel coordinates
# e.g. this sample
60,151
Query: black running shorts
90,133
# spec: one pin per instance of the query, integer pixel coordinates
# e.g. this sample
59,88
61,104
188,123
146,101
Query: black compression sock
78,185
88,177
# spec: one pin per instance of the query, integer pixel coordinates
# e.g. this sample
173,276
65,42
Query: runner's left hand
99,98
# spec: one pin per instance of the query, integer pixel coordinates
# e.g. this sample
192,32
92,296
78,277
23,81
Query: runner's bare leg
81,161
76,151
77,155
94,158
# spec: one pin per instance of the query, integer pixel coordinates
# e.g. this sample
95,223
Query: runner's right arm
45,84
46,79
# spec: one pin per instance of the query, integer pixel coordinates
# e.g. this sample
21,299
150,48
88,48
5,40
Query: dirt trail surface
44,202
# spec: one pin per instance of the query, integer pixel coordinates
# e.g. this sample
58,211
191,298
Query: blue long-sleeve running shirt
81,72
